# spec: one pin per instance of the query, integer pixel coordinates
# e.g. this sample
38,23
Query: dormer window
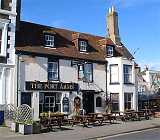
82,46
49,40
109,50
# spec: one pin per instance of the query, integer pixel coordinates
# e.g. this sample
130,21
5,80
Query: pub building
59,68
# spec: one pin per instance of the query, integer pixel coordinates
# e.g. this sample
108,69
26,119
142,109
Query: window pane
88,72
52,70
49,40
114,74
115,101
128,100
83,45
127,69
98,102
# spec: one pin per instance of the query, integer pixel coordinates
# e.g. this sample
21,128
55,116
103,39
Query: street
151,134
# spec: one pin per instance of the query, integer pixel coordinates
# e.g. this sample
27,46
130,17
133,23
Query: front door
49,103
88,102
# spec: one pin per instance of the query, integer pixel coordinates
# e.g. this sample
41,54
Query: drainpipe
18,67
106,66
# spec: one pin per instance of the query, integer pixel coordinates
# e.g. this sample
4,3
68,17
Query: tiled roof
30,39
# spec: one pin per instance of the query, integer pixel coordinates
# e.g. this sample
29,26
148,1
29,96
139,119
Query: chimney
112,26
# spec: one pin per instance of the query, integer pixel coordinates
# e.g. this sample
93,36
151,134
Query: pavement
84,133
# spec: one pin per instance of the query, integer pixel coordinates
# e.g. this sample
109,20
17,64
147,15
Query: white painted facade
7,68
152,78
35,69
121,88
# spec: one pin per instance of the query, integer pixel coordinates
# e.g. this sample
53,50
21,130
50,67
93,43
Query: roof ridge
70,30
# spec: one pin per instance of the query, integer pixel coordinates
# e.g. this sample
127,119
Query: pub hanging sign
51,86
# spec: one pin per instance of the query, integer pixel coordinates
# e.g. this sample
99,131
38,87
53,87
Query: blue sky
139,21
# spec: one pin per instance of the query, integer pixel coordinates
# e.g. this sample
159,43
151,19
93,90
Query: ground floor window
49,102
98,102
114,101
128,101
26,98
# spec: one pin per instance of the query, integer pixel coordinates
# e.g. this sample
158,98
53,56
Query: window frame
126,94
82,47
114,102
99,103
85,73
57,71
128,74
50,41
109,50
116,82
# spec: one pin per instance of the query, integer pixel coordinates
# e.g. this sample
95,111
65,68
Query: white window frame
109,51
84,73
128,101
128,74
49,40
83,46
4,28
114,79
53,71
88,73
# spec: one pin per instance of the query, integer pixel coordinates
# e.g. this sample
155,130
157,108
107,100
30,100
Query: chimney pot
113,9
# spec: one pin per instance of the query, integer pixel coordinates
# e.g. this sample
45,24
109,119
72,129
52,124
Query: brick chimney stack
112,26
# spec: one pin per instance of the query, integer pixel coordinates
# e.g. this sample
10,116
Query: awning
89,87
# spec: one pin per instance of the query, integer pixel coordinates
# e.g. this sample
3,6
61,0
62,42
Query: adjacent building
8,13
121,73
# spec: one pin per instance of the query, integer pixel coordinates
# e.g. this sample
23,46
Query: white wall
122,88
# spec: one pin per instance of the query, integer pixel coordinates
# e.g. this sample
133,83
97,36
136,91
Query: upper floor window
53,71
114,73
49,40
83,46
127,70
85,72
109,50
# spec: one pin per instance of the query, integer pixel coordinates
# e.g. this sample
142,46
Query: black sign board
48,86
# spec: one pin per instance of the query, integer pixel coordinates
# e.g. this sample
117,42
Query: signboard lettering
51,86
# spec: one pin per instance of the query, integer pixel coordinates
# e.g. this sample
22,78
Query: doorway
88,102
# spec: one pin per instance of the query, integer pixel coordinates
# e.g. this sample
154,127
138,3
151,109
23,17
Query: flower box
14,126
25,129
